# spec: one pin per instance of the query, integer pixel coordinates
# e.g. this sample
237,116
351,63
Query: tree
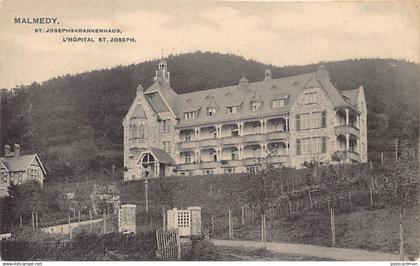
401,189
262,191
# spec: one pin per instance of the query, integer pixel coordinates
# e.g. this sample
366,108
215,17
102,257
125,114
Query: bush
84,246
203,250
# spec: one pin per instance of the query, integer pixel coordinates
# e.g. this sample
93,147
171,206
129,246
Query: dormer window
189,115
255,106
211,111
310,97
278,103
232,109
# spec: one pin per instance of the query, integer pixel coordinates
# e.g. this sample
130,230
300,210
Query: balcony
187,167
253,138
230,163
250,161
206,165
346,129
352,155
278,159
187,145
276,135
208,142
137,144
231,140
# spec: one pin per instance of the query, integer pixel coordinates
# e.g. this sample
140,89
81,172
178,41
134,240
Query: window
187,157
188,136
165,126
234,155
211,112
234,132
317,120
305,121
306,145
255,106
252,169
310,97
189,115
277,103
232,109
316,145
229,170
208,171
167,146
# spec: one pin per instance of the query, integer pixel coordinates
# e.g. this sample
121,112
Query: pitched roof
21,163
351,95
241,95
3,165
160,155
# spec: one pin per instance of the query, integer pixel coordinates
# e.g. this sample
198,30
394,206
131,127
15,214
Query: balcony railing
187,145
186,167
253,138
346,129
250,161
208,142
136,143
276,135
277,158
231,140
210,164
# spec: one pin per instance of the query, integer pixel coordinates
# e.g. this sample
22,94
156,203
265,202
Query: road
343,254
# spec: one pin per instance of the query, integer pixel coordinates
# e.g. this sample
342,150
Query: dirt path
344,254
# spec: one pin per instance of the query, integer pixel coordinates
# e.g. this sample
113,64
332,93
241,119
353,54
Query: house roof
351,95
21,163
3,165
241,95
160,155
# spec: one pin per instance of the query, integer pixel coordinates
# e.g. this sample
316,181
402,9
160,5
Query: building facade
288,122
16,168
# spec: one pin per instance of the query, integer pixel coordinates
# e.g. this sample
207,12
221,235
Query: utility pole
146,187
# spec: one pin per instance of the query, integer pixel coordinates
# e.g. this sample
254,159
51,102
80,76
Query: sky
277,33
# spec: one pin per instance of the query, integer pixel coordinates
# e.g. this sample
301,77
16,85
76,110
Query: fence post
371,196
33,220
69,226
290,207
382,159
332,227
212,224
371,166
351,203
242,215
401,237
21,220
36,219
230,224
104,222
310,199
179,245
163,217
91,222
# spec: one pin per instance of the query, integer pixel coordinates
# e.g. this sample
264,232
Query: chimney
7,150
267,74
17,150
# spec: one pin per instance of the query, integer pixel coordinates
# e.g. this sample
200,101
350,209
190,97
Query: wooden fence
168,243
